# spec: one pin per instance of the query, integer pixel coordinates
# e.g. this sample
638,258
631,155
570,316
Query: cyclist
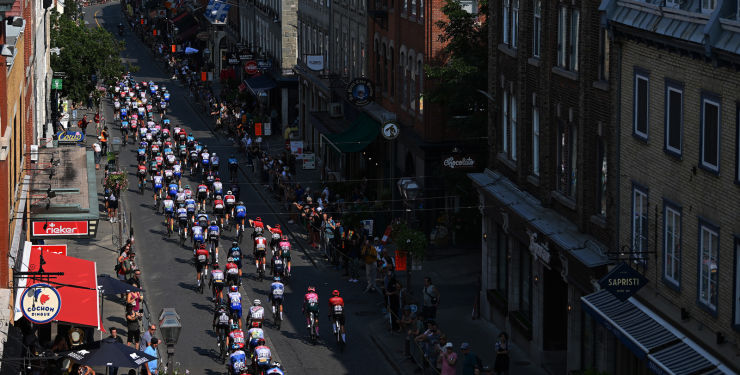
230,201
198,237
254,334
275,235
189,205
311,305
256,312
180,197
141,153
232,272
221,324
258,226
217,282
157,185
240,213
235,253
275,369
218,210
236,340
285,253
202,219
260,250
235,189
172,189
277,266
233,167
177,170
182,219
141,172
235,304
262,357
205,160
277,289
213,234
215,161
168,207
336,312
201,261
202,195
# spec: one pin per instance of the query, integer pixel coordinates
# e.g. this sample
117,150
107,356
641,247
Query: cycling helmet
215,265
257,302
240,203
218,197
284,238
335,293
214,153
258,219
277,226
228,192
275,364
218,178
256,324
234,326
311,289
213,222
230,260
234,288
187,187
260,342
235,244
276,279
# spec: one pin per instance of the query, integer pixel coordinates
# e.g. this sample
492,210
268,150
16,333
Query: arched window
402,75
377,64
412,84
385,68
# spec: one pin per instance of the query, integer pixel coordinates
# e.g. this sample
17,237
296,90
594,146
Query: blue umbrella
109,352
190,50
110,285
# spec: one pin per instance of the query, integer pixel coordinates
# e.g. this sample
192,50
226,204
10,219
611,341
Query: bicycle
182,234
203,276
260,269
222,344
239,232
170,228
312,327
338,334
277,313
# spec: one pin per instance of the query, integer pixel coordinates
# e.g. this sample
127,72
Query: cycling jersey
256,333
222,320
171,158
276,290
236,253
256,313
201,255
188,193
217,276
237,338
238,361
240,212
230,200
157,182
182,214
202,189
213,232
189,204
235,301
205,158
169,205
177,169
277,264
141,170
262,355
215,161
232,268
311,302
218,188
197,233
218,204
180,197
202,220
172,189
336,305
260,243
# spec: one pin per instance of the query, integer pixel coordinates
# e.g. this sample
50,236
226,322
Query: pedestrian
90,101
370,257
114,335
132,324
97,122
329,227
431,299
97,150
501,364
415,328
104,140
449,359
151,366
129,265
112,207
471,362
83,124
354,257
120,267
393,293
146,338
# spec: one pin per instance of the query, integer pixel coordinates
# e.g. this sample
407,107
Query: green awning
364,130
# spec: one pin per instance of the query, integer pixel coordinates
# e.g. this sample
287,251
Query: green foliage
461,68
411,240
84,51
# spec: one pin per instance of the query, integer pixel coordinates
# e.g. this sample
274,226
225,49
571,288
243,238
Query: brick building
676,80
546,197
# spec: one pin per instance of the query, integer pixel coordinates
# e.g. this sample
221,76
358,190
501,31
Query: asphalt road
169,277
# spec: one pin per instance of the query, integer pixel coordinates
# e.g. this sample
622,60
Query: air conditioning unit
335,110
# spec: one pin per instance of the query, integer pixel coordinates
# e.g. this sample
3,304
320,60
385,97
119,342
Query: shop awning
649,337
363,131
78,287
260,83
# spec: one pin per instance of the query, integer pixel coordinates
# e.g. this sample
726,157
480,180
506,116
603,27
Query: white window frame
514,23
640,222
672,245
575,22
668,119
562,36
413,7
513,127
708,261
636,100
505,123
535,141
715,103
505,24
537,29
708,6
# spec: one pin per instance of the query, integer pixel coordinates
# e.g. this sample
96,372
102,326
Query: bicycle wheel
340,342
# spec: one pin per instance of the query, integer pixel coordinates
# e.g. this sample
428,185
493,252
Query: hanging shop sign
41,303
539,248
244,55
233,59
251,67
309,160
264,64
70,137
360,92
315,62
457,162
203,35
390,130
60,229
623,281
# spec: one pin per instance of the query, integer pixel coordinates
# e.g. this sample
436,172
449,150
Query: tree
461,67
84,52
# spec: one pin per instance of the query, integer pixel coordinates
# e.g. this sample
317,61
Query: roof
364,130
718,30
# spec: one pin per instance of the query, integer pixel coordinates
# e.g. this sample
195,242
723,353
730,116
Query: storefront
535,267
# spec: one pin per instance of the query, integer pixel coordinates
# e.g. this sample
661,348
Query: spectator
370,256
353,256
104,140
431,299
129,266
112,207
501,364
449,359
120,269
415,327
329,226
114,335
97,150
83,124
146,338
393,293
151,366
471,362
132,324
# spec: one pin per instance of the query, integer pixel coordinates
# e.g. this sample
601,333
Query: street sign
623,281
51,249
59,75
56,83
309,160
60,229
360,92
250,67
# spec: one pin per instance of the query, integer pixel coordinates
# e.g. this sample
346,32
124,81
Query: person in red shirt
275,237
336,312
201,261
258,226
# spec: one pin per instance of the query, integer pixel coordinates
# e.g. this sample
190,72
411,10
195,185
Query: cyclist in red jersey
336,312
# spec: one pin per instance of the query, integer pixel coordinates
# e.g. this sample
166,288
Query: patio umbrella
108,352
190,50
109,285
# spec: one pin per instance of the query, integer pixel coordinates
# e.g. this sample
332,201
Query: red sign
59,229
51,249
251,67
204,76
258,129
400,261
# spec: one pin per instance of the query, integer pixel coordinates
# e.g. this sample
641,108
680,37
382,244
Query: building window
514,23
708,265
708,6
602,167
536,141
566,165
562,35
710,120
525,282
536,32
673,118
505,124
603,55
640,106
513,127
413,7
736,307
575,19
639,222
421,9
505,23
672,244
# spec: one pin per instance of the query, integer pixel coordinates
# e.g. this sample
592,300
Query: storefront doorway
555,321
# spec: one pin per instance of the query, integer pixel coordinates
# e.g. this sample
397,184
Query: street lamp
169,325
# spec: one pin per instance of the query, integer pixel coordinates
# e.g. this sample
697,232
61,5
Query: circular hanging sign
250,67
360,92
390,130
41,303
